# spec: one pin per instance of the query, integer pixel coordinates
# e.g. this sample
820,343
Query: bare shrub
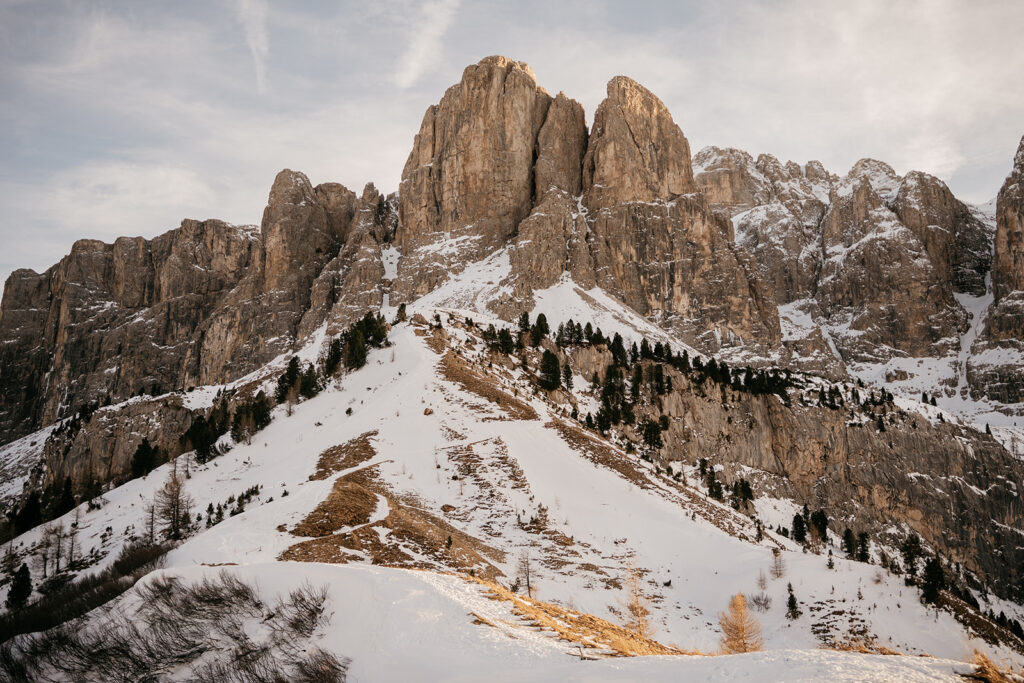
762,602
64,600
172,624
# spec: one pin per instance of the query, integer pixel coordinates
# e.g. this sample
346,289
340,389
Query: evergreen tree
355,350
645,349
505,342
934,580
792,608
401,313
863,547
638,380
288,379
539,330
819,524
524,323
618,350
309,385
334,357
567,376
550,372
652,434
656,375
799,532
66,503
911,550
144,459
261,411
614,390
849,543
30,515
21,588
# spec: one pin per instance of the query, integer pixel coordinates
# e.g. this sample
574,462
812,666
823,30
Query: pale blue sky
122,118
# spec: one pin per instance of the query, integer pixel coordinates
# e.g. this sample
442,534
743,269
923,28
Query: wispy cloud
252,14
425,41
122,122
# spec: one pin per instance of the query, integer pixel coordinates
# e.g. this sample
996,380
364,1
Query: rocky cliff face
839,460
202,304
996,368
498,163
470,178
868,268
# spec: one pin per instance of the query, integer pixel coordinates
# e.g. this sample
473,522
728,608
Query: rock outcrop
996,368
636,153
202,304
470,179
866,268
955,486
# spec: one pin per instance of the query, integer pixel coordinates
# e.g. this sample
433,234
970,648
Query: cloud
424,41
252,14
120,122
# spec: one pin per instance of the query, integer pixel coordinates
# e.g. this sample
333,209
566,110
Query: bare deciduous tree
778,568
740,631
173,506
525,571
637,605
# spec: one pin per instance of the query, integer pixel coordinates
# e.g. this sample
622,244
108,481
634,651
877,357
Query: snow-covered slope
483,473
398,625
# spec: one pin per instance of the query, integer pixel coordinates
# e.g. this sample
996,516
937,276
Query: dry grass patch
599,452
348,505
407,537
343,456
438,340
988,671
456,370
584,630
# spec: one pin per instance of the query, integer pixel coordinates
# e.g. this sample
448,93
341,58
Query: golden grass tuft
988,671
584,630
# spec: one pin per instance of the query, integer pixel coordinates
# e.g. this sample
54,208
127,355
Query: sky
122,118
